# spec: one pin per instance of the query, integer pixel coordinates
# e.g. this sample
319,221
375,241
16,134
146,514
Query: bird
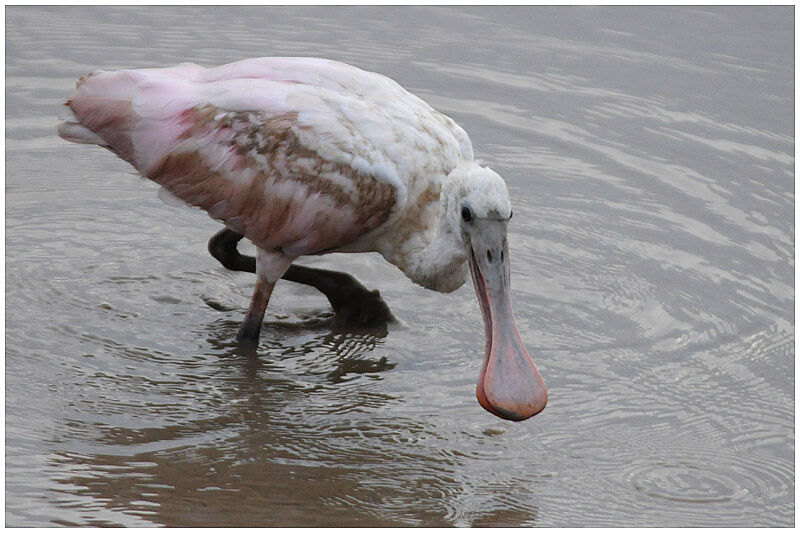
307,156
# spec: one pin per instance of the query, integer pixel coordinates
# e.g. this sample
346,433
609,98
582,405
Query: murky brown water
650,154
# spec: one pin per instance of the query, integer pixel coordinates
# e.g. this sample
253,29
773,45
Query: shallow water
650,155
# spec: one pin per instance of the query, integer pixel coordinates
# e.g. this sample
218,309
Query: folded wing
288,152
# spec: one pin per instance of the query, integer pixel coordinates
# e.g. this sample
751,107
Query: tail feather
101,105
78,133
134,113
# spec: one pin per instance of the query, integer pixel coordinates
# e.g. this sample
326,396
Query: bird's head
509,385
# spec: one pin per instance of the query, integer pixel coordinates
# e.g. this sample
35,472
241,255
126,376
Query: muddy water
650,155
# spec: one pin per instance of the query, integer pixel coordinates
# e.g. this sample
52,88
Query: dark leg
352,302
223,247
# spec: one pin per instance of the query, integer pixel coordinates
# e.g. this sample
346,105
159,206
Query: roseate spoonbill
308,156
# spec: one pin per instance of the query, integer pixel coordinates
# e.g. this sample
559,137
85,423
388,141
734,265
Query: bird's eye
466,214
510,215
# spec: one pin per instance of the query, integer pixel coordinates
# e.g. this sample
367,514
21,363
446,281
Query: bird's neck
435,257
442,264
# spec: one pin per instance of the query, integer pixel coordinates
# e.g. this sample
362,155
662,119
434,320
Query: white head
474,191
509,384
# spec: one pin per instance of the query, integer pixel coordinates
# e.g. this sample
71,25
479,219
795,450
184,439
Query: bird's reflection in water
315,337
304,425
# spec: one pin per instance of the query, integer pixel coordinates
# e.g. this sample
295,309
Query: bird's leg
270,266
255,314
352,302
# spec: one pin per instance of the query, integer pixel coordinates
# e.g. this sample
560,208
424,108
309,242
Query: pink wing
282,150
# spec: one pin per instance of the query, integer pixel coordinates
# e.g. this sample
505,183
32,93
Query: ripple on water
696,485
684,482
699,435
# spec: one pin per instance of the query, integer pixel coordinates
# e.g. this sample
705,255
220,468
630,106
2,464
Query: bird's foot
353,304
363,308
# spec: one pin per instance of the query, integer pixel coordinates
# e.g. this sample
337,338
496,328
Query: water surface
650,155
